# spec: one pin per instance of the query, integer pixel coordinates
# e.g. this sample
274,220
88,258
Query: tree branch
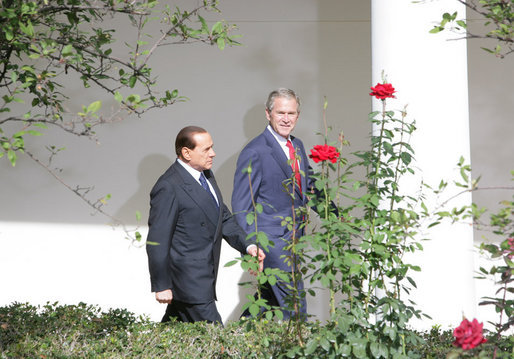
81,192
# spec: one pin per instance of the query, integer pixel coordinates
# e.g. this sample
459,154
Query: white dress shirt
196,175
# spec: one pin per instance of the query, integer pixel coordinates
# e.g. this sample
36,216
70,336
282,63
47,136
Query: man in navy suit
268,154
186,224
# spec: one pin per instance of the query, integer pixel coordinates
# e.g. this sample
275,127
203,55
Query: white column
430,74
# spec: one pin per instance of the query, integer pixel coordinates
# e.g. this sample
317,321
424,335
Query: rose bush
352,250
510,250
469,335
320,153
383,91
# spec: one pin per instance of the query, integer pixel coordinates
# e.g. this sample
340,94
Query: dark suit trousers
189,313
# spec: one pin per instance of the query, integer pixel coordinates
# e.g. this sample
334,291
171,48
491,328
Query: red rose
323,153
382,91
468,334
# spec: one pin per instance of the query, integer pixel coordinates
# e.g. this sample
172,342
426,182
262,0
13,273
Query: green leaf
462,23
379,350
67,50
231,263
205,28
27,29
217,28
94,107
406,158
311,347
118,97
132,81
359,348
254,309
436,29
258,208
221,43
11,155
250,218
8,33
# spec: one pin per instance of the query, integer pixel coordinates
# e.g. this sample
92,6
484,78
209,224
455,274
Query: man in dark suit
186,224
268,154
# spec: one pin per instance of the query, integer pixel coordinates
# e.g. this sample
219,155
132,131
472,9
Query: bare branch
82,192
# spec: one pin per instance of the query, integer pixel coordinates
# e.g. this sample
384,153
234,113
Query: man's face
284,115
201,157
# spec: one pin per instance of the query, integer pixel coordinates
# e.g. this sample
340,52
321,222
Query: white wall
319,48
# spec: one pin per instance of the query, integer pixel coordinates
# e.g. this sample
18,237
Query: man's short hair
185,138
281,92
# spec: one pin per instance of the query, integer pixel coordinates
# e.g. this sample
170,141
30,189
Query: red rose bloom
468,334
323,153
382,91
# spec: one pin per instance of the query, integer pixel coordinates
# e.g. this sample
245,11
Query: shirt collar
193,172
281,140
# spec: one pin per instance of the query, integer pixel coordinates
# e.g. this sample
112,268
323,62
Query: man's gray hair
281,92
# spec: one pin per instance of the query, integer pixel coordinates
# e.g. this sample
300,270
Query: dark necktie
294,164
203,182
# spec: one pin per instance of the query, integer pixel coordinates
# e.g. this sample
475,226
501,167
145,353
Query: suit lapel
210,176
278,154
202,199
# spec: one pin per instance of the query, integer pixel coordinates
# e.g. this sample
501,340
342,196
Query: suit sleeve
241,194
233,233
162,221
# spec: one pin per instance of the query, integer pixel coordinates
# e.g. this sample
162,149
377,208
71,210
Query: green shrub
84,331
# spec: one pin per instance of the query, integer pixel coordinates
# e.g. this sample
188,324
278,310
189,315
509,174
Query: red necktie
294,164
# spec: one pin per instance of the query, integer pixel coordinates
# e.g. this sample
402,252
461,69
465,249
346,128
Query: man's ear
185,153
268,114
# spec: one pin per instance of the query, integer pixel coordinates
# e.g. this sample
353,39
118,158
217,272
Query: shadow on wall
254,123
148,171
243,292
153,166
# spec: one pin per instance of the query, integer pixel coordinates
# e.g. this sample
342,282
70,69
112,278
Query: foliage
84,331
45,44
357,257
356,250
499,15
366,228
257,306
43,41
499,253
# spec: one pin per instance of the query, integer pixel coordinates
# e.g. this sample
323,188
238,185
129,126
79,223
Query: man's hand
164,297
259,253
